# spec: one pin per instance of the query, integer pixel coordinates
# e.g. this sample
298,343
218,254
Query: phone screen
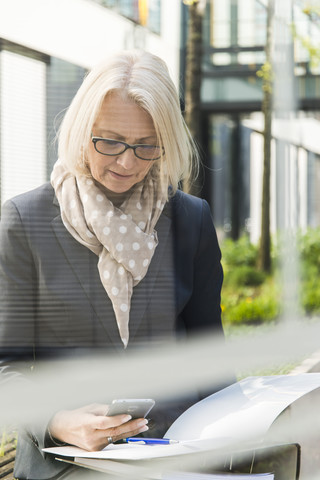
136,407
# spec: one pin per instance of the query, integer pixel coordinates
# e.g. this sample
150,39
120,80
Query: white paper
140,452
217,476
244,411
126,470
239,414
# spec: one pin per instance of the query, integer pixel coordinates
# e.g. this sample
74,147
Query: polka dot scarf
123,238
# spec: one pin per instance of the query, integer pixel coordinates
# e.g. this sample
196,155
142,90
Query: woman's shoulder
33,197
192,220
182,201
33,202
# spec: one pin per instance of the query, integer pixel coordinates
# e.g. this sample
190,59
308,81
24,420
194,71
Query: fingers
89,427
102,422
135,430
128,429
95,409
125,429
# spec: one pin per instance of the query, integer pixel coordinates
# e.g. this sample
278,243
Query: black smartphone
136,407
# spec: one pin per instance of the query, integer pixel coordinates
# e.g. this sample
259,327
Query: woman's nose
127,159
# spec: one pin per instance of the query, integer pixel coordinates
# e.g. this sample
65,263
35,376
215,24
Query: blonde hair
143,78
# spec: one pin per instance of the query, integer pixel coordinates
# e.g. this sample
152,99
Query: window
23,120
35,90
144,12
63,81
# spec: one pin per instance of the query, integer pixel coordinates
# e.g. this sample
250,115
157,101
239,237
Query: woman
110,254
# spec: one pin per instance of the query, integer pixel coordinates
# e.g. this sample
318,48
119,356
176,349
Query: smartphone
136,407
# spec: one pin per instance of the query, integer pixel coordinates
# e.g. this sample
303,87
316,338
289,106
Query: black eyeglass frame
95,139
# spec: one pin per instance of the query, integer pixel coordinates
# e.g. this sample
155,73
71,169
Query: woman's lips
119,176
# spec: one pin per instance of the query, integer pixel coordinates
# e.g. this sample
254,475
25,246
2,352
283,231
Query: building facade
234,40
46,47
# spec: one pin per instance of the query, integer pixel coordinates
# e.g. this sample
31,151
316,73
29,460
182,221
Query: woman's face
121,119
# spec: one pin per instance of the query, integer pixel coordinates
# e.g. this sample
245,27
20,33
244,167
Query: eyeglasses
107,146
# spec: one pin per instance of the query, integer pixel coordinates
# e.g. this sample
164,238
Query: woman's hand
89,427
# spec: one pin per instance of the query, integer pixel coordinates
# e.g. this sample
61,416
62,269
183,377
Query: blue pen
150,441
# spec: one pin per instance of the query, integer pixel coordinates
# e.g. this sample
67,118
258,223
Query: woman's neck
116,198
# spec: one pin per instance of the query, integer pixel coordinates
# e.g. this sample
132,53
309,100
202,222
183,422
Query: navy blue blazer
52,301
52,297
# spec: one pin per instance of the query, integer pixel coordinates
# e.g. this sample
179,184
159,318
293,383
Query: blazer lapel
84,265
83,262
143,291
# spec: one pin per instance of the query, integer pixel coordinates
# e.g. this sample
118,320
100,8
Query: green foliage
250,297
312,10
309,247
263,308
240,252
8,440
267,75
3,442
306,42
310,297
245,275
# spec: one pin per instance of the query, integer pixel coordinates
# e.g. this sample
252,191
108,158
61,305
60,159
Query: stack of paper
237,416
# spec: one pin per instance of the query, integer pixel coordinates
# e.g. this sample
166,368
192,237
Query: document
218,476
136,473
135,452
125,470
239,415
244,411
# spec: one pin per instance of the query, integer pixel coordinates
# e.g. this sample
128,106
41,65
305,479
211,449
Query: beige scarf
123,238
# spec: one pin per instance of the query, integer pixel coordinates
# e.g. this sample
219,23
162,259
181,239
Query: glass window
306,41
129,9
231,89
236,25
63,81
145,12
23,117
260,31
154,15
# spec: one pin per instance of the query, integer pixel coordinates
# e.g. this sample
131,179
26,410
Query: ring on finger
109,439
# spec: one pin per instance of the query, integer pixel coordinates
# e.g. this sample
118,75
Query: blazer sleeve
17,287
200,278
18,293
200,273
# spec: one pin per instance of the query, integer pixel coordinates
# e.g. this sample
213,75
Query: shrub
249,296
253,310
240,252
308,272
245,275
310,296
309,247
